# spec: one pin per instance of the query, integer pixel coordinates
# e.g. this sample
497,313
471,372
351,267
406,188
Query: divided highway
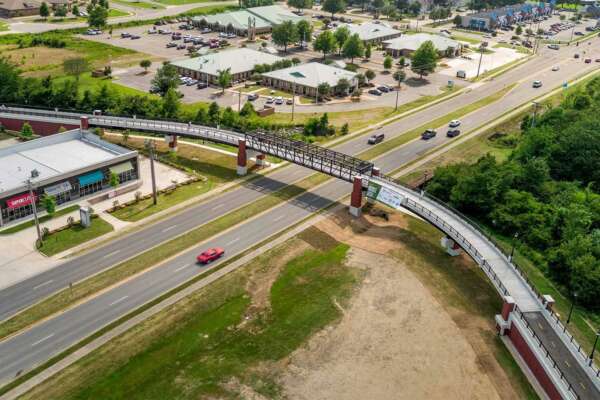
32,347
25,293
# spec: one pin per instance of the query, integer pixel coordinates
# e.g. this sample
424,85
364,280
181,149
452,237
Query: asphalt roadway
33,346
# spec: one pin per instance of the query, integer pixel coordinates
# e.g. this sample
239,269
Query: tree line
546,195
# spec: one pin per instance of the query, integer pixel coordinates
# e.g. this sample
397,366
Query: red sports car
210,255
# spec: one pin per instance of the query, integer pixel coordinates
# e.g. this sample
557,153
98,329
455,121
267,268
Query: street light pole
482,49
512,250
34,174
535,107
570,311
150,145
293,99
594,348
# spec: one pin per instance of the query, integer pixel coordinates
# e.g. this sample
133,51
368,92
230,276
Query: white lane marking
111,254
232,242
182,267
217,206
43,284
279,218
169,228
118,301
41,340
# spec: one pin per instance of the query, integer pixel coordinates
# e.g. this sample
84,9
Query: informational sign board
384,195
85,214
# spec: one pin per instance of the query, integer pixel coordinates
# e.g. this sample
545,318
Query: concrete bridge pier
172,142
242,158
451,246
260,160
356,197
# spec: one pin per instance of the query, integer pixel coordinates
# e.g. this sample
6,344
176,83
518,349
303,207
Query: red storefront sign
21,200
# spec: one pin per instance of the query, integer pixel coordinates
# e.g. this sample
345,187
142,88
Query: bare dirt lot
396,340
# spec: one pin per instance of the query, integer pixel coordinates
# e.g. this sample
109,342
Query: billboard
384,195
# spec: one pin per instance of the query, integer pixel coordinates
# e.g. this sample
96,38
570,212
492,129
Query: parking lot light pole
594,347
514,243
570,311
34,174
150,146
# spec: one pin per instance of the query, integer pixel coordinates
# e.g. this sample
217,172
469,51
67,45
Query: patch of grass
251,88
274,93
42,219
410,135
180,2
467,39
139,4
86,82
192,348
73,236
519,49
143,261
3,26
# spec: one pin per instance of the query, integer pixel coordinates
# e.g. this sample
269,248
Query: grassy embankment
140,4
112,13
221,332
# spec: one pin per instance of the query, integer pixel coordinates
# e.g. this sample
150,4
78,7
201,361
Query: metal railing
550,315
545,351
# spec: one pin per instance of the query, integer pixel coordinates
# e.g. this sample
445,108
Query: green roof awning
120,168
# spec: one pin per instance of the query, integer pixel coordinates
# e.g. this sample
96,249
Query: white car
555,68
279,100
270,100
454,123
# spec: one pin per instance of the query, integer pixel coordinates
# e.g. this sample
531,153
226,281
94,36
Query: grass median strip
415,133
84,289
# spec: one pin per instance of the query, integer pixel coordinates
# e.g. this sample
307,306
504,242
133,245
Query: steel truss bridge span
330,162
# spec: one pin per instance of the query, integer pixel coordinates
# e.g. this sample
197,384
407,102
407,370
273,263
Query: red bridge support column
375,171
502,320
260,160
242,156
84,123
172,142
356,197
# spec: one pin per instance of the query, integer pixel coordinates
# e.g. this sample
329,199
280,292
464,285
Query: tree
334,6
370,74
61,11
387,62
145,64
75,10
457,20
424,59
368,52
75,66
414,8
390,11
224,78
114,180
49,203
345,129
247,110
166,78
341,34
342,86
170,104
97,17
284,34
518,30
305,30
26,130
399,76
323,90
402,62
125,135
353,47
300,4
44,10
325,43
214,113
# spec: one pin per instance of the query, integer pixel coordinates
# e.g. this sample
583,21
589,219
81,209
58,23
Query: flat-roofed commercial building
304,79
262,19
241,63
67,166
371,33
407,44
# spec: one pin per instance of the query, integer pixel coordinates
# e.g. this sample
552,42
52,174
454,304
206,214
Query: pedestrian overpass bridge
527,321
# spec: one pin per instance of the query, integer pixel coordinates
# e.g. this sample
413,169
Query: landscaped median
72,235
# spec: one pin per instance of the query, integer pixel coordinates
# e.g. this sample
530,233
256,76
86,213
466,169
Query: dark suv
428,134
377,138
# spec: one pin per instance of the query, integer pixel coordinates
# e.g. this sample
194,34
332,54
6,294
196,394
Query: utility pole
150,146
594,348
240,99
481,49
34,174
570,311
293,99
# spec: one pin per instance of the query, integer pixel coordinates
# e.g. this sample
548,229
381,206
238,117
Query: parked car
135,37
453,133
579,33
252,96
270,100
383,89
553,47
205,30
555,68
454,123
428,134
152,31
181,46
171,44
289,102
377,138
588,61
231,36
597,59
202,85
576,55
375,92
125,35
279,100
